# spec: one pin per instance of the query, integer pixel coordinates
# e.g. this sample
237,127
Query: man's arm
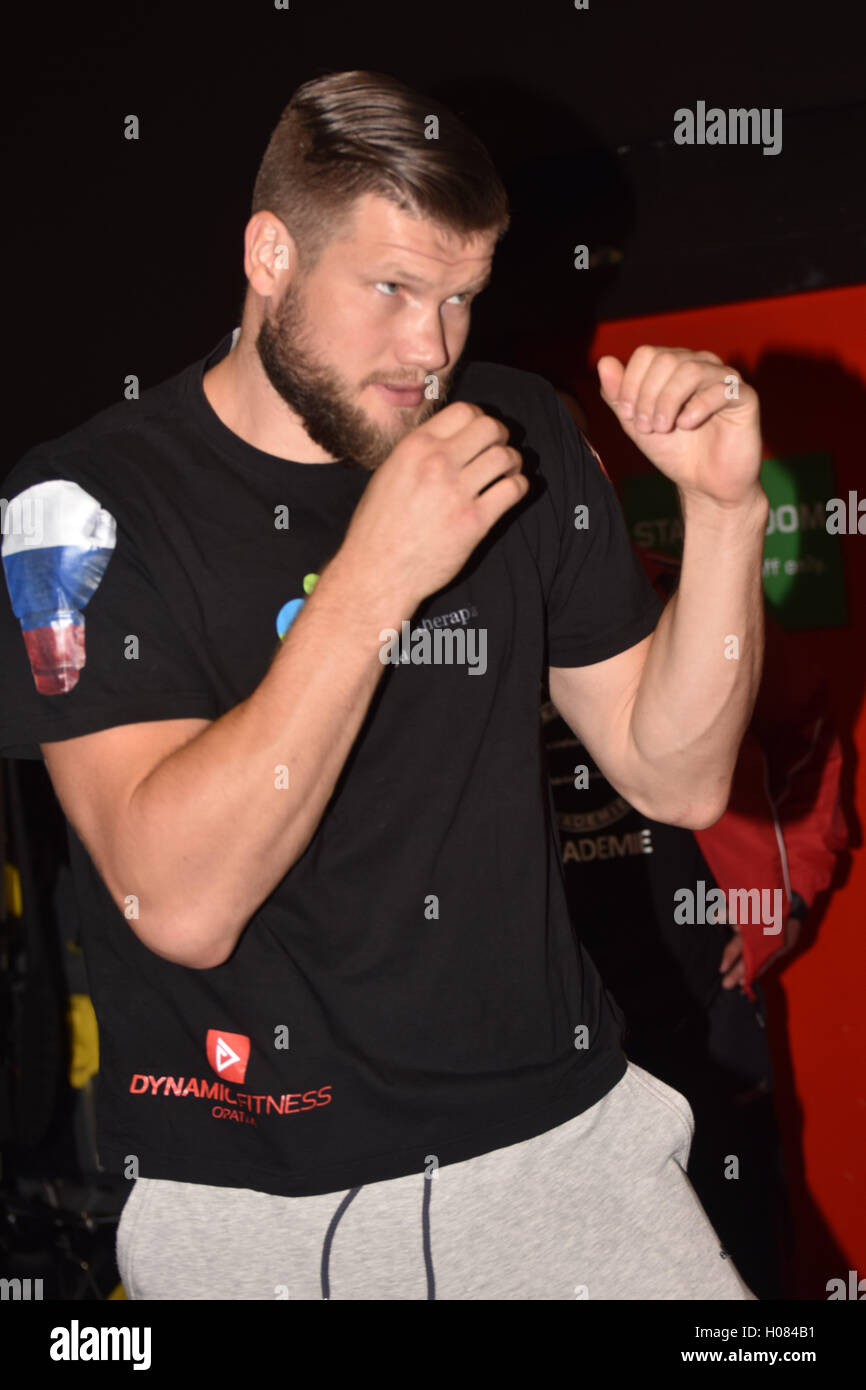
192,817
664,720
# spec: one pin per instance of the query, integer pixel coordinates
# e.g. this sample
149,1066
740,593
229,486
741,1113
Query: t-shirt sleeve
600,601
89,639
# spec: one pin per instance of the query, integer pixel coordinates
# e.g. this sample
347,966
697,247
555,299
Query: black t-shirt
622,870
412,987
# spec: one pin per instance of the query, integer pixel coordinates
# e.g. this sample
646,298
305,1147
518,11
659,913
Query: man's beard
318,396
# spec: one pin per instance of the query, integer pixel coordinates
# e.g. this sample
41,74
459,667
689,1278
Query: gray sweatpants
599,1207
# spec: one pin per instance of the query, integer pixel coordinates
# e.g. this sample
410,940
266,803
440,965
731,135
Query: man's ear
270,254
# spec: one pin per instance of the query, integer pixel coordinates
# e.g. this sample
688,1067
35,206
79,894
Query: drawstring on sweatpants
425,1229
329,1239
425,1238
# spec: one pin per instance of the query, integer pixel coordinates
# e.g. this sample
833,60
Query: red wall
806,355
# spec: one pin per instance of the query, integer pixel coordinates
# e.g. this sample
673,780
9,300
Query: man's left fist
692,416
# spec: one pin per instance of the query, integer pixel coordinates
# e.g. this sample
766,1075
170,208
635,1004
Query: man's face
387,303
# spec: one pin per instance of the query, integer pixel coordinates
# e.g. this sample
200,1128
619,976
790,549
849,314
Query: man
329,947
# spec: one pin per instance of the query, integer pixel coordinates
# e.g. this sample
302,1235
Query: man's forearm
216,825
703,668
208,834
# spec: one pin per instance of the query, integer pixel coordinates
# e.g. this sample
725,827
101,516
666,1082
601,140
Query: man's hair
350,133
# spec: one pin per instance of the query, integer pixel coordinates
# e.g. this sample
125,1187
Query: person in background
688,993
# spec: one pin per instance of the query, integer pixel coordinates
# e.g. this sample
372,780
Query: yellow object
83,1040
118,1292
12,890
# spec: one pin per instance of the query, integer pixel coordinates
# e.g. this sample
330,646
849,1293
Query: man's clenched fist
692,416
425,509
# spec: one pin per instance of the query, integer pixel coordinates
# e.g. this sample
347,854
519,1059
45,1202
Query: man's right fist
425,509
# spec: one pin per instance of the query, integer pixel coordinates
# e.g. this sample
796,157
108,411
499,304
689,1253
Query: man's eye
387,286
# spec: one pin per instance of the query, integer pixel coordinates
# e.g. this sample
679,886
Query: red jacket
784,824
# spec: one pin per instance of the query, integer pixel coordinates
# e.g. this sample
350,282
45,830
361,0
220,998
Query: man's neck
240,395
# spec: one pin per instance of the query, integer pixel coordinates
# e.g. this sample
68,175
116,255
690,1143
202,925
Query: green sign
803,582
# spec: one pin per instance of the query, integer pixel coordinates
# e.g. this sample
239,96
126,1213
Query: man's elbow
190,959
695,813
181,943
701,817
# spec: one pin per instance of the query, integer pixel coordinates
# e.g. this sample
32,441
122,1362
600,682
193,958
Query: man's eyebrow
479,284
391,269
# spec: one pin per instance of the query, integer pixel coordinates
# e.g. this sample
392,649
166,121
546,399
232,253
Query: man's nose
423,343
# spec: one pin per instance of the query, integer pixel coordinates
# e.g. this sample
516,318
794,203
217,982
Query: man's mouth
401,395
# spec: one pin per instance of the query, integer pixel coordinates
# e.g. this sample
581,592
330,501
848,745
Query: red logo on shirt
228,1053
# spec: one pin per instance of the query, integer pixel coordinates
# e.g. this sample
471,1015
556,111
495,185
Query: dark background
126,255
